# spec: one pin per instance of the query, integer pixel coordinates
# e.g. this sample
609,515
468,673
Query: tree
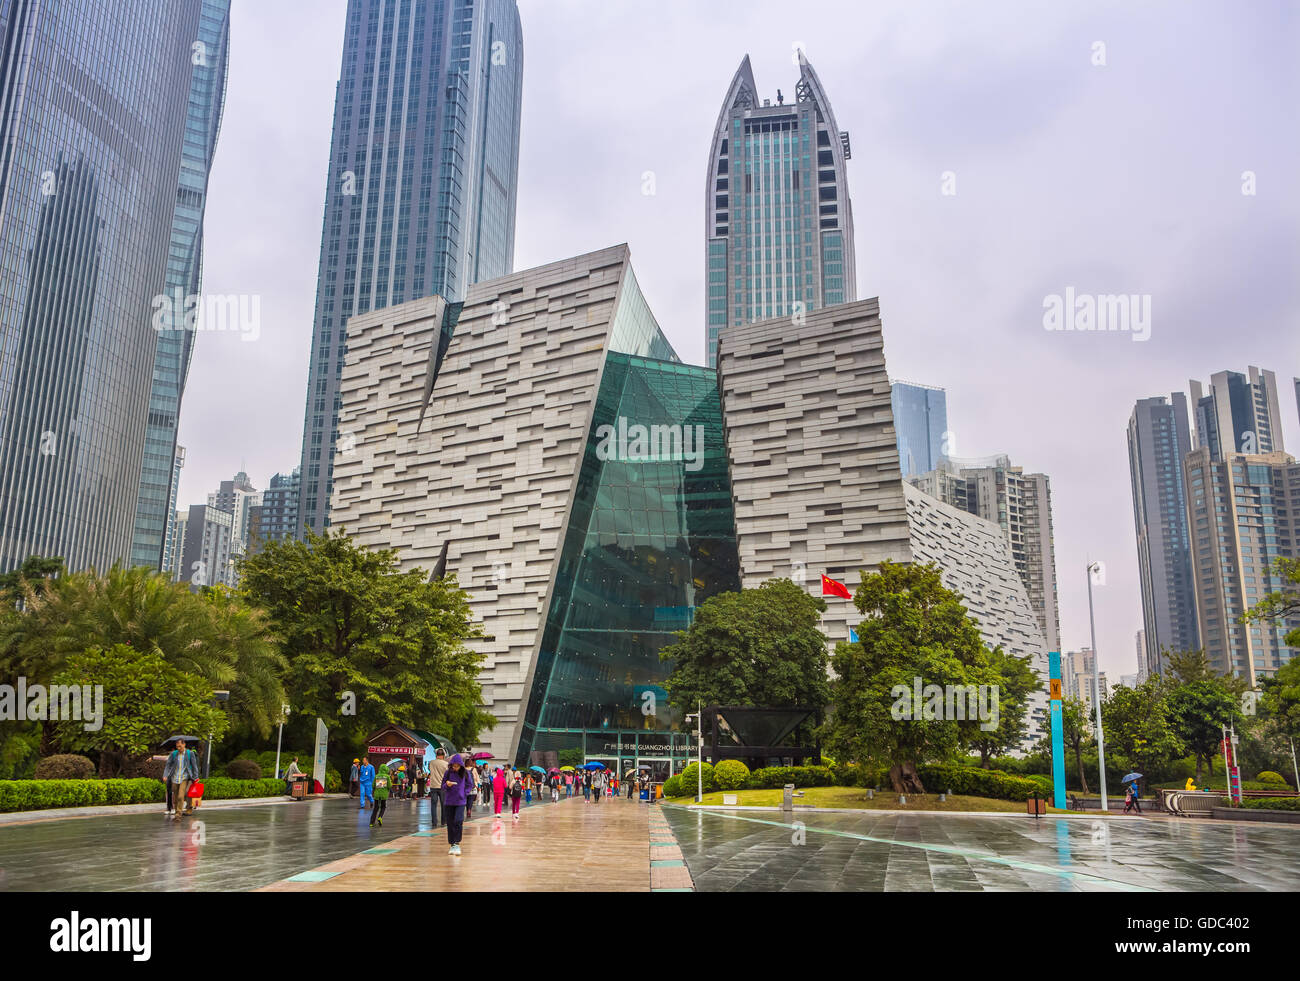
211,636
33,569
1198,711
759,646
915,629
1075,731
1281,699
1187,666
1016,679
1138,727
1281,606
145,701
350,622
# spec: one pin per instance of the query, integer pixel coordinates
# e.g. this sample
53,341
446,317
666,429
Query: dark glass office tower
920,425
420,197
93,106
158,471
778,223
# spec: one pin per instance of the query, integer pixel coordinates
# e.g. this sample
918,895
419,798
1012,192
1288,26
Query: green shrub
1267,777
691,779
35,795
226,788
776,777
1270,803
730,774
333,781
64,766
856,775
243,770
673,786
977,782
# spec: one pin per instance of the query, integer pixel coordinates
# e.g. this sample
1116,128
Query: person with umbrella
597,784
180,770
1131,794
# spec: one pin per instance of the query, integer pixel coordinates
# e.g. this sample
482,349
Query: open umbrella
481,756
189,740
593,765
1131,777
538,769
553,770
566,768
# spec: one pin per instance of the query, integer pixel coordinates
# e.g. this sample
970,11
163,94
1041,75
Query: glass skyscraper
93,117
921,426
778,223
420,195
155,509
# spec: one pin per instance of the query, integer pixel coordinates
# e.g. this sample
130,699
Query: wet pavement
220,849
892,852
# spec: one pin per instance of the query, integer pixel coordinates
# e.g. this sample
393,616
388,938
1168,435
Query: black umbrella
175,739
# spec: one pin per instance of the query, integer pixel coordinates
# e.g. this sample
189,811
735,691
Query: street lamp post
217,696
699,757
1096,690
284,714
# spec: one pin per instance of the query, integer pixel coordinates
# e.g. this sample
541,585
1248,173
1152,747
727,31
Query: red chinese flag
832,588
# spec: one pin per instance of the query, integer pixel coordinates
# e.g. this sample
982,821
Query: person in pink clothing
499,789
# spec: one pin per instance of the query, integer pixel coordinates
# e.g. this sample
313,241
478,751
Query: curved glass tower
93,106
420,199
778,223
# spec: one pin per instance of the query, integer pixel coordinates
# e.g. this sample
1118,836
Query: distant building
1127,681
207,558
921,425
239,497
277,516
1141,640
1021,505
1238,414
1158,440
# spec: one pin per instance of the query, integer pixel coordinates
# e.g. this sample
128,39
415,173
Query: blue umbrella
593,765
1131,777
538,769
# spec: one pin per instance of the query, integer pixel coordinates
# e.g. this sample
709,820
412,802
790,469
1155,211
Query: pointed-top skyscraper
778,223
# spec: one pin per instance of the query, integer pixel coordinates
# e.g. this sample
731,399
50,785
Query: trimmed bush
857,775
243,770
64,766
333,781
691,779
1269,803
673,786
224,788
35,795
776,777
730,774
977,782
1266,776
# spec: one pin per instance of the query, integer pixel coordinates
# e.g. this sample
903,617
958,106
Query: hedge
35,795
977,782
673,786
691,779
730,774
226,788
776,777
64,766
1271,803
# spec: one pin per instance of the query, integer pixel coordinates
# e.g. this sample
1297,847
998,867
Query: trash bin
298,789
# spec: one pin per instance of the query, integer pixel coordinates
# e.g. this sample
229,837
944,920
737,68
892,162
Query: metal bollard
871,794
902,798
787,798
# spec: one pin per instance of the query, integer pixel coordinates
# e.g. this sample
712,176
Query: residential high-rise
1158,440
1239,413
921,424
239,497
778,224
156,504
1245,514
170,557
207,558
92,128
1021,505
420,194
1140,638
277,516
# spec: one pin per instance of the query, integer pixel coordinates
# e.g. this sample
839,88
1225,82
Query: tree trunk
1078,756
1198,767
905,779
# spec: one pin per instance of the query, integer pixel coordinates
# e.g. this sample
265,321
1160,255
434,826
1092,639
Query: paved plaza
630,846
887,851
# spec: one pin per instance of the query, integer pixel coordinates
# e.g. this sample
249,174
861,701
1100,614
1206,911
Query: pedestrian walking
366,776
568,785
436,771
516,795
455,796
421,778
354,779
597,786
498,790
586,785
381,797
181,770
554,781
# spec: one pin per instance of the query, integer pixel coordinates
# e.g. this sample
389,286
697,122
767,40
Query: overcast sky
1122,177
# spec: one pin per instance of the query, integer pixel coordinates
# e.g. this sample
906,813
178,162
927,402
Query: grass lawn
856,797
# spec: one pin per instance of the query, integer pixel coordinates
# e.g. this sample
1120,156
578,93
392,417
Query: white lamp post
1096,689
284,714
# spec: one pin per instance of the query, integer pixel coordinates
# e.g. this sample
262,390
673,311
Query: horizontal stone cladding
488,466
975,560
810,438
